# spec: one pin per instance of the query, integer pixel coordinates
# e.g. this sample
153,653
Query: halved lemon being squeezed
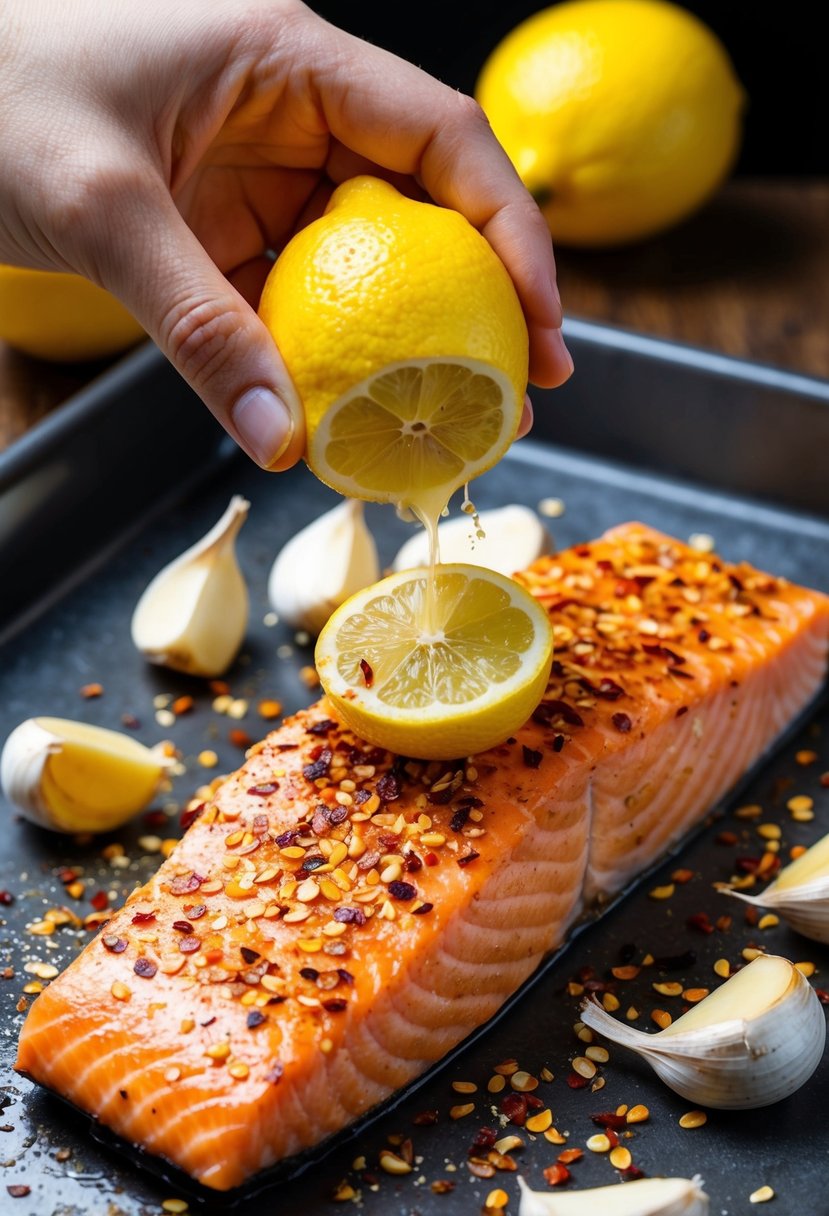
405,339
443,688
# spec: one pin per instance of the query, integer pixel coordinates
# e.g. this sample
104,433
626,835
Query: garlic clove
192,617
513,538
752,1042
322,565
72,777
644,1197
800,893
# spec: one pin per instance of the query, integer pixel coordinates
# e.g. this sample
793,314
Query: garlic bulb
72,777
800,893
753,1041
644,1197
320,567
192,616
513,538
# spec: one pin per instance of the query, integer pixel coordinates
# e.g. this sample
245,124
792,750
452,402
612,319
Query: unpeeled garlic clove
800,893
753,1041
513,537
192,617
73,777
644,1197
320,567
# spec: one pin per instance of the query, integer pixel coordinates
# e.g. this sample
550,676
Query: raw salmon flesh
337,918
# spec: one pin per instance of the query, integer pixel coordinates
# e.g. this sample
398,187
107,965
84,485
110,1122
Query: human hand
161,149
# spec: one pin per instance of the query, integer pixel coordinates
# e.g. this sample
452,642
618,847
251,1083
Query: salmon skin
338,918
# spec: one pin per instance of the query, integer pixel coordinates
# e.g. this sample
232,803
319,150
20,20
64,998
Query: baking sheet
84,638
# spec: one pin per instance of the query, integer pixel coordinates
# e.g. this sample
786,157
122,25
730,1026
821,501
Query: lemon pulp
439,682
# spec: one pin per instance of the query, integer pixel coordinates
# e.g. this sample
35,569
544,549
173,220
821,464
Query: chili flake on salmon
337,917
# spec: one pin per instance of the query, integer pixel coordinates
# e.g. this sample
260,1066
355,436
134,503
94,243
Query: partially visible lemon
406,341
62,317
460,686
621,116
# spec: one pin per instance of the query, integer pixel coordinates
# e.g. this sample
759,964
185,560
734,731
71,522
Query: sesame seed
523,1082
637,1114
391,1163
540,1122
664,892
460,1112
620,1157
722,967
496,1084
762,1195
692,1119
496,1199
120,991
464,1087
598,1143
584,1067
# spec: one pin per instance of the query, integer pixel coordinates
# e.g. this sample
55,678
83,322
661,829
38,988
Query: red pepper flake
115,945
145,968
92,690
324,727
130,721
255,1018
569,1155
143,918
485,1138
683,709
189,817
609,1118
239,738
6,899
548,711
662,652
577,1082
66,874
514,1108
532,758
423,910
459,819
264,790
186,884
824,780
676,962
700,922
319,767
622,722
404,891
430,859
727,838
388,788
18,1190
99,901
195,911
189,945
368,674
182,926
556,1175
155,820
350,916
427,1118
632,1173
468,858
822,995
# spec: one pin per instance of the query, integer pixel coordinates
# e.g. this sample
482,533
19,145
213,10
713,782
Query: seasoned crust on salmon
337,918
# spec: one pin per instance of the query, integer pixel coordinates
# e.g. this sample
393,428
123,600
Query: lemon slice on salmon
442,680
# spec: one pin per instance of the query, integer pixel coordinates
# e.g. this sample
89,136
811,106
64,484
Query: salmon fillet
337,918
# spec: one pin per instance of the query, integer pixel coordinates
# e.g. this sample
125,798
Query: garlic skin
800,893
752,1042
193,615
644,1197
72,777
322,565
514,538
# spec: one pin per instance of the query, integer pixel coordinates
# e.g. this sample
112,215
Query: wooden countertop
747,276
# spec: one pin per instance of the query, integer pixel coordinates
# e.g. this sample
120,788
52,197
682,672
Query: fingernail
264,425
560,347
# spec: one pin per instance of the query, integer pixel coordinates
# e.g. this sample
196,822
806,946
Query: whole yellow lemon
62,317
621,116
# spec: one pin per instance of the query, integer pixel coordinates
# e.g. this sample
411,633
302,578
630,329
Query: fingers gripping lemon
406,341
621,116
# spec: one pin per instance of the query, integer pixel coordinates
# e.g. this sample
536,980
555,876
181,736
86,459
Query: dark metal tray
127,474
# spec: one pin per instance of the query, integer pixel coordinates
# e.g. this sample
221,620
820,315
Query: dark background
778,52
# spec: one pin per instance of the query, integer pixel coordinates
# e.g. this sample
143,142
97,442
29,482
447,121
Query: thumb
211,335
